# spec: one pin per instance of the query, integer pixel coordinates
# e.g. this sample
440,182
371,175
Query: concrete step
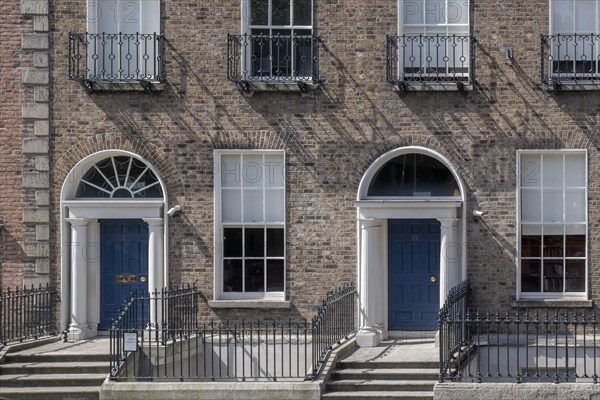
389,364
95,367
378,395
428,374
50,380
50,393
23,357
368,385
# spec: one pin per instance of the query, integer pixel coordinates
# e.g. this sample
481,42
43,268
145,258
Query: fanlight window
119,177
413,175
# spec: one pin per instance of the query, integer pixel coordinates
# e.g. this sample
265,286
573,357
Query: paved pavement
397,350
94,346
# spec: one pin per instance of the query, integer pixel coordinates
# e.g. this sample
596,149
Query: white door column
155,266
449,255
370,286
79,328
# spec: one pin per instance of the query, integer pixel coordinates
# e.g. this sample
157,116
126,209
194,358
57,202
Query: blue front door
414,265
124,263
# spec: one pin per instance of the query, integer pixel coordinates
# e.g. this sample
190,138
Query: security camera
478,213
173,211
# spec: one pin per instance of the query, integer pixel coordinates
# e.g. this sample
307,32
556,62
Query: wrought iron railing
430,58
273,59
548,345
26,314
570,57
117,57
453,336
186,349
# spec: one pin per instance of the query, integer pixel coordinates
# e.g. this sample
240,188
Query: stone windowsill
282,87
553,303
432,87
574,86
255,304
126,87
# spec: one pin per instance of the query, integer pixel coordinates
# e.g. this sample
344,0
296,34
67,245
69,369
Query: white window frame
219,225
574,30
424,28
247,29
550,295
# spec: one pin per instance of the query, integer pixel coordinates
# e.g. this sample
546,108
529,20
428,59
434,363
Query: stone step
389,364
428,374
24,357
55,368
378,395
44,380
368,385
50,393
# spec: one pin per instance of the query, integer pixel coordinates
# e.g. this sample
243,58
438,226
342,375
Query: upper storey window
433,42
277,44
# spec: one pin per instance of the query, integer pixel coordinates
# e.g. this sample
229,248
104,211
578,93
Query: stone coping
515,391
255,304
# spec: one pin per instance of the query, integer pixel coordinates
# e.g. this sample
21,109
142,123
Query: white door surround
80,239
373,214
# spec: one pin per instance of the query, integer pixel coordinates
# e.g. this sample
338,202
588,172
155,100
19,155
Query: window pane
575,276
553,276
531,246
531,276
275,274
259,12
232,205
302,12
274,170
562,16
585,16
553,170
412,10
435,11
230,171
281,12
575,170
232,242
457,12
553,245
553,205
575,246
254,242
575,205
232,276
255,276
274,203
531,210
253,205
275,242
252,171
531,170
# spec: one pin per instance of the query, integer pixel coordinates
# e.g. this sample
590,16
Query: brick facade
330,135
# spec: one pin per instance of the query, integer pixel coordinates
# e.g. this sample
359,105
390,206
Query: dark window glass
553,276
575,246
232,242
280,12
275,242
413,175
232,276
531,246
254,242
302,12
531,276
255,276
553,245
259,12
575,276
275,275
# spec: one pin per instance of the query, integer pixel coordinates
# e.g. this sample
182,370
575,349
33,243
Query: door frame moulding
80,218
373,214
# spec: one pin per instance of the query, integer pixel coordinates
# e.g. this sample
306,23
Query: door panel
413,258
124,264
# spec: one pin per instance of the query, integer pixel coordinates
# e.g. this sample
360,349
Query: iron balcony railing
570,57
26,314
117,57
430,58
187,349
273,59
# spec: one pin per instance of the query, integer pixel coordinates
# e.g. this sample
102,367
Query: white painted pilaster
449,246
371,277
79,328
155,265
